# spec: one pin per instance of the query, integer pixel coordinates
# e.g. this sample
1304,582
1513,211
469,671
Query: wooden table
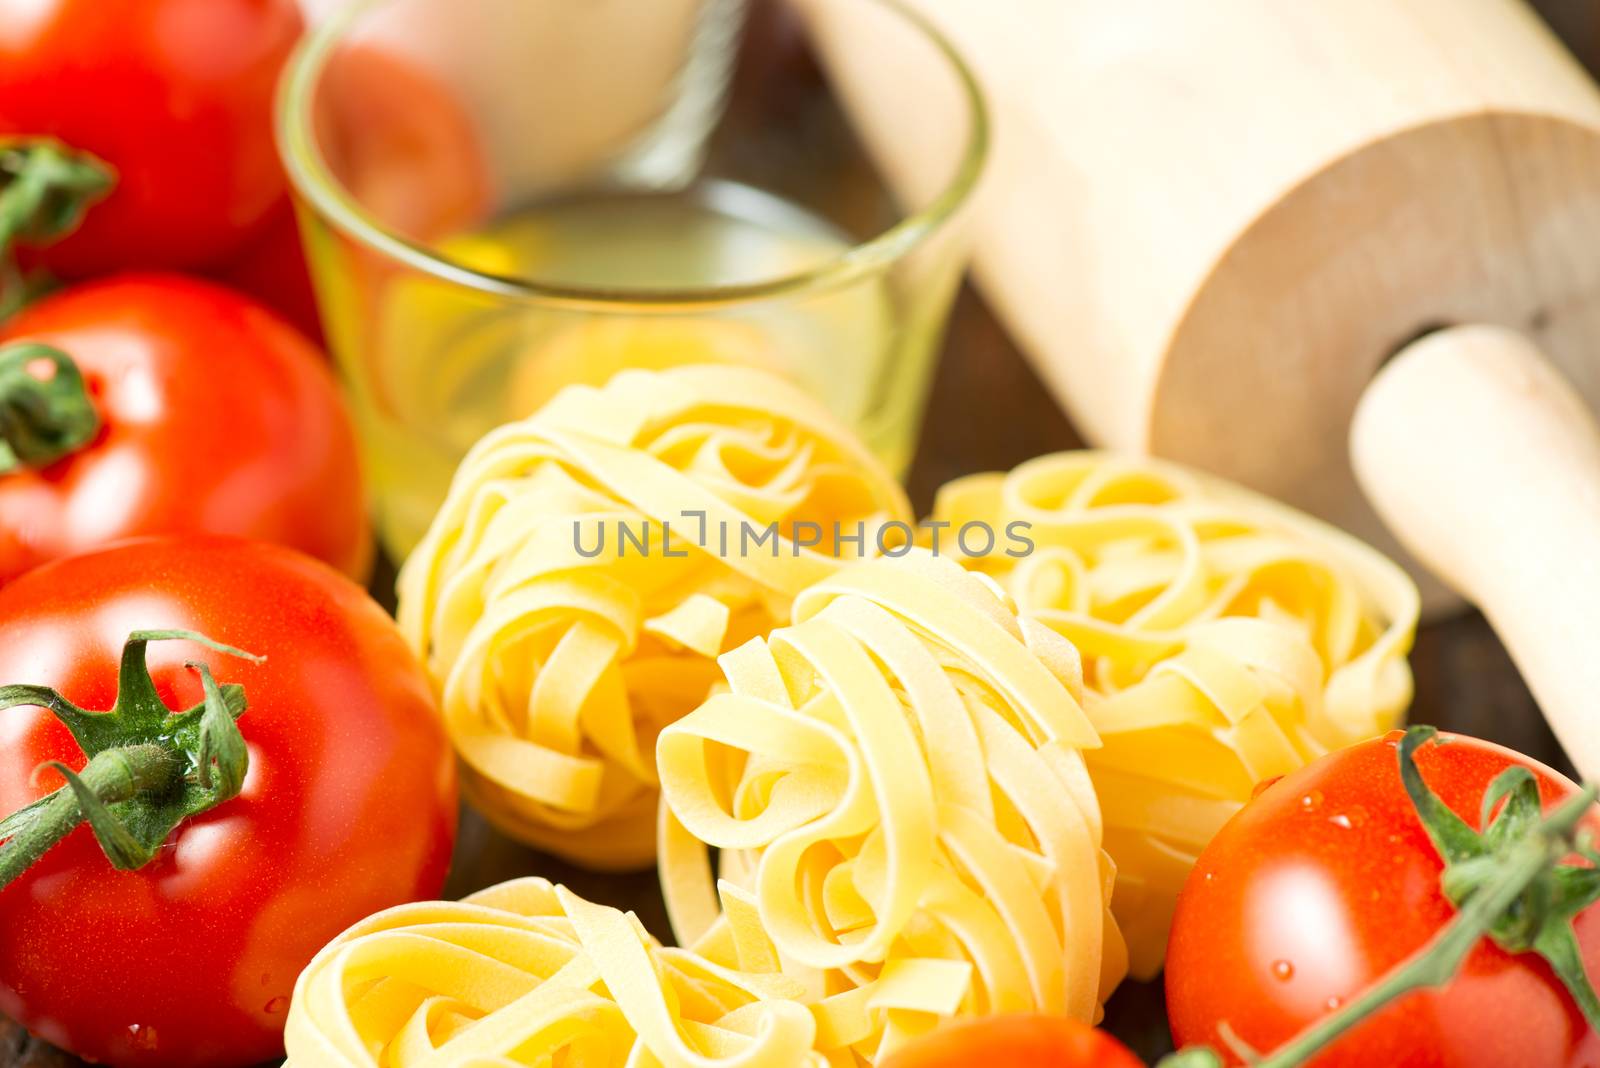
991,412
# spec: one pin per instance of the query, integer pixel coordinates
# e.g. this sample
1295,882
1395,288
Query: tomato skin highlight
1327,880
218,417
1014,1041
177,96
349,805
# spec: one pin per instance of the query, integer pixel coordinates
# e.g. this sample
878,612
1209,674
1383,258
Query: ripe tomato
273,270
217,417
1019,1041
348,806
176,95
1327,880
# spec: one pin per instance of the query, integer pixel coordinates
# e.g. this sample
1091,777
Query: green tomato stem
112,776
149,768
46,412
1437,962
47,188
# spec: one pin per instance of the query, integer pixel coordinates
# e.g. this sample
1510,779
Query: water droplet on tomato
276,1005
144,1037
1282,970
1334,1003
1341,820
1310,801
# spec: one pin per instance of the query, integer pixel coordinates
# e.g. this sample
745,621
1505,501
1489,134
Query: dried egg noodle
904,815
527,973
1226,639
557,669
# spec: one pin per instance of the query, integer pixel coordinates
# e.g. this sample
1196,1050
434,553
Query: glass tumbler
502,197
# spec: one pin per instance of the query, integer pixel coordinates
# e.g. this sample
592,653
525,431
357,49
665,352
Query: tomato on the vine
347,807
1326,881
214,416
1014,1041
176,96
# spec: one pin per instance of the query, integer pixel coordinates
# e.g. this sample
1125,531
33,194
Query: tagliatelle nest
527,973
564,627
897,787
1226,639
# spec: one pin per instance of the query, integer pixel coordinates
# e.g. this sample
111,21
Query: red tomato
217,417
1020,1041
273,270
176,95
348,806
1327,880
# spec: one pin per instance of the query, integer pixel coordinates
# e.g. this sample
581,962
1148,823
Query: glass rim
312,179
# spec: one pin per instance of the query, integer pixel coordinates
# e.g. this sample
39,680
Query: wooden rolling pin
1486,462
1210,225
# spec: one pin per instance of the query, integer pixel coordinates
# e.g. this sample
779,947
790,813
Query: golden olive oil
448,362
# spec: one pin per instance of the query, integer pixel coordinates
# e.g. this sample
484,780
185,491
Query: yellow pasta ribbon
590,563
529,974
907,827
1226,639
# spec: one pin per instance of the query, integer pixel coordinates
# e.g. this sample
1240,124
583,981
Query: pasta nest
572,593
527,973
1226,639
897,787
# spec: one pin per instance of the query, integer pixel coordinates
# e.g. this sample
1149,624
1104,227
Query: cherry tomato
1327,880
348,806
217,417
1018,1041
177,96
273,270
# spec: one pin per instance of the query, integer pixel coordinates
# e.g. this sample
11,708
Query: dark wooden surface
989,411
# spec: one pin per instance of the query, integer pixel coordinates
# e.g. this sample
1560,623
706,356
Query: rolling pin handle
1485,462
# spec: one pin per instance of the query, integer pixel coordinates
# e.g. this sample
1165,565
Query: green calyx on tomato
149,769
45,188
1511,883
45,409
1538,919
